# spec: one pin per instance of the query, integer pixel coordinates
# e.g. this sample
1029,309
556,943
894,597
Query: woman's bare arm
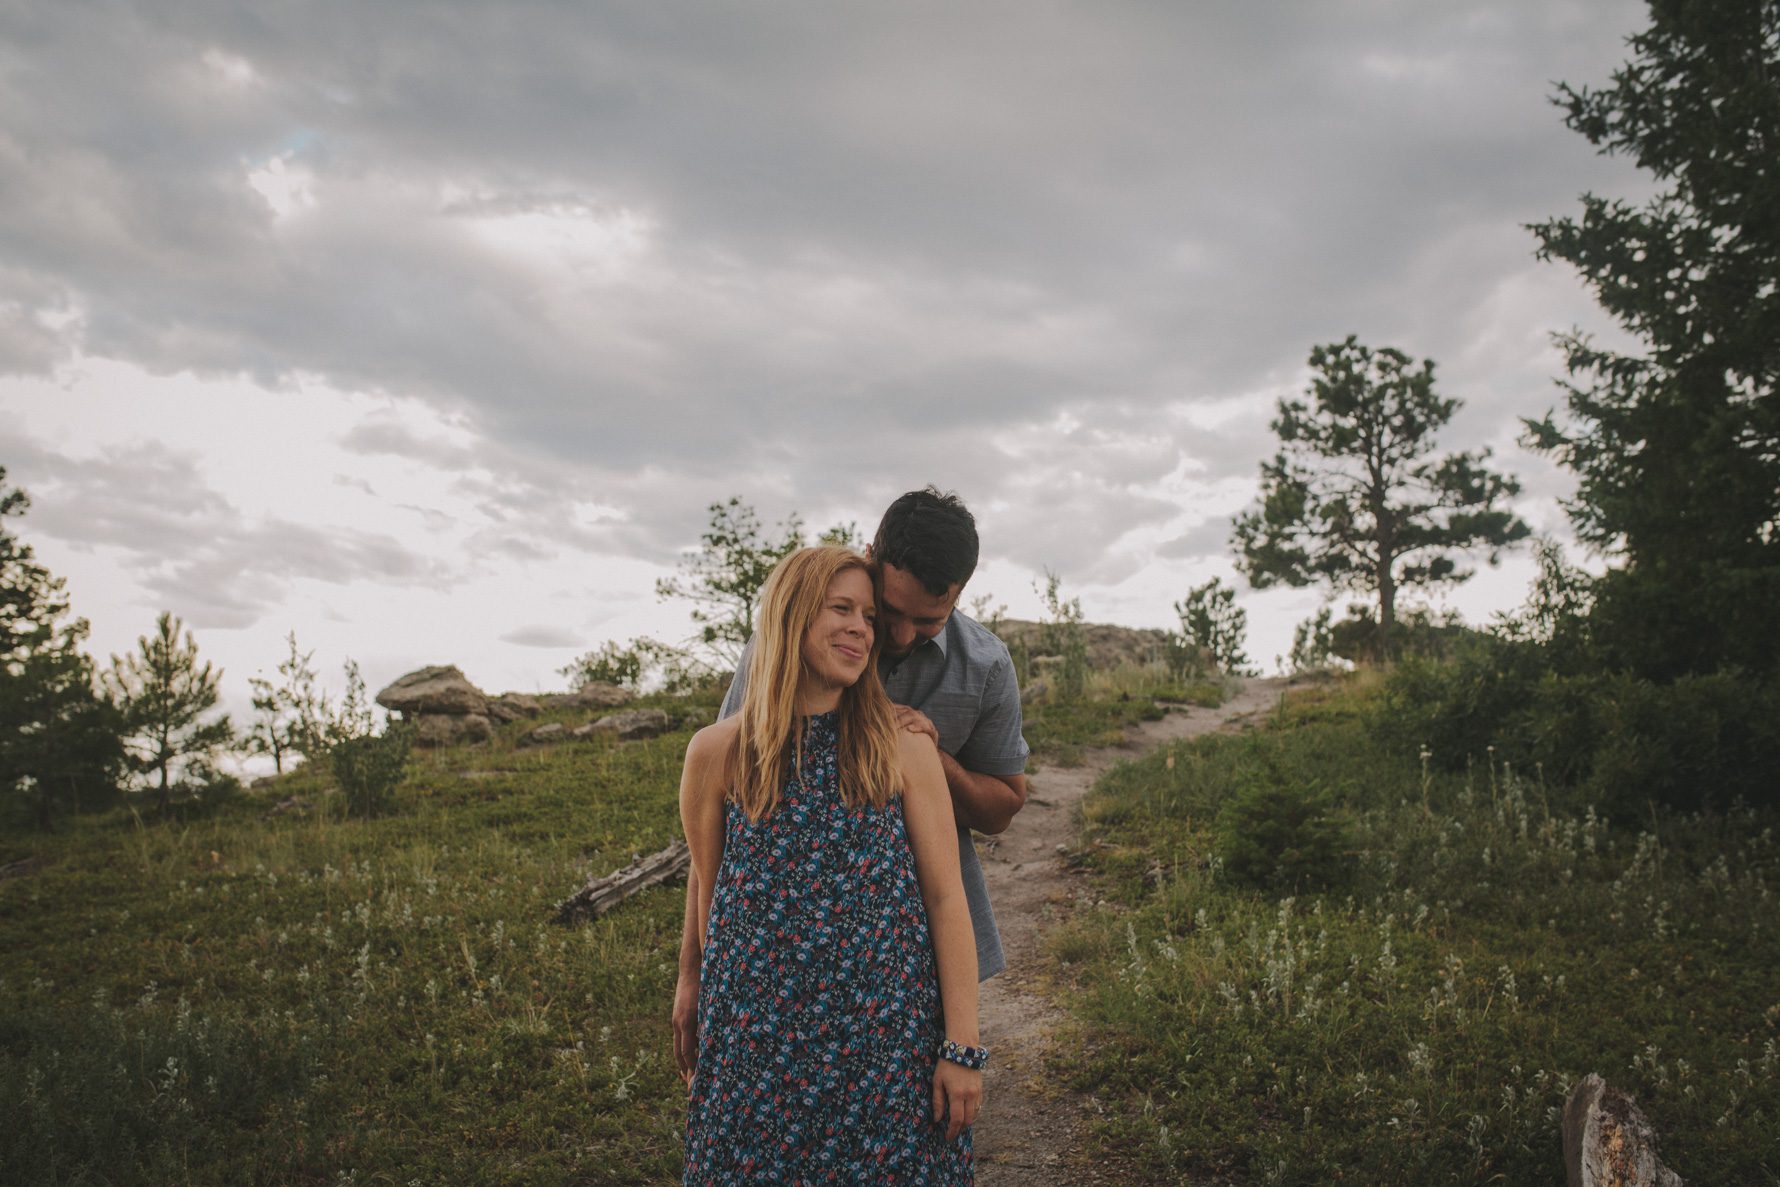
933,837
702,787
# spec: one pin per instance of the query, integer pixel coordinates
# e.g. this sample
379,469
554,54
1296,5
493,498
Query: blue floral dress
819,1010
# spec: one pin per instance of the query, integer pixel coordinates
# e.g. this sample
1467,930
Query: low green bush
1281,837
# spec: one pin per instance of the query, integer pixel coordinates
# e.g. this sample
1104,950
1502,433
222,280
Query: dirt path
1031,1131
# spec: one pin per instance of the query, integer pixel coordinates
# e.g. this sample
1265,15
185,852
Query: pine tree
1357,497
164,693
1210,618
59,740
1677,446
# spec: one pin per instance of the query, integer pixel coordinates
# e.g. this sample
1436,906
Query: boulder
451,729
441,689
630,725
1035,690
511,706
597,695
1608,1142
544,735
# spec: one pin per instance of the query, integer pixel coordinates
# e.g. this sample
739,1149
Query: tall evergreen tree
164,694
1357,497
1678,445
59,744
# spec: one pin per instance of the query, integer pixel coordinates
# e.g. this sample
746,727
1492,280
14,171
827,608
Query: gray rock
545,734
632,724
291,805
596,695
439,689
451,729
1608,1142
1035,690
511,706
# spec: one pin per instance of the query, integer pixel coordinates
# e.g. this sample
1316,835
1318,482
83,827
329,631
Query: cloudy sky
428,330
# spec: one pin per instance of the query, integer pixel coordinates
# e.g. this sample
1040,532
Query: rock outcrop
439,689
630,725
511,706
446,709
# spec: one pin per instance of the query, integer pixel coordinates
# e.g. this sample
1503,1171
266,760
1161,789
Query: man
951,679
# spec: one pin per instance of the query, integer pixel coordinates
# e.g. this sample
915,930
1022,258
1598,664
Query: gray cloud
868,247
543,636
196,552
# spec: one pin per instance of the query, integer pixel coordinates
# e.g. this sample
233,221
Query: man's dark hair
928,533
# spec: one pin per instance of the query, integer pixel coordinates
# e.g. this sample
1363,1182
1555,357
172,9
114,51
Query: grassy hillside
1375,973
234,997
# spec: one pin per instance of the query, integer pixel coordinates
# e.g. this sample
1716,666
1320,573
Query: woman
837,1005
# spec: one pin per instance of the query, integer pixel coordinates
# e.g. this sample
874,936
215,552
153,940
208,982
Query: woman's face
837,646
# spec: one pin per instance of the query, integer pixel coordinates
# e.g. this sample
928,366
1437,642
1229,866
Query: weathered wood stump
1608,1142
602,894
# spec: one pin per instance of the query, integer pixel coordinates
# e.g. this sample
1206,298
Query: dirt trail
1031,1130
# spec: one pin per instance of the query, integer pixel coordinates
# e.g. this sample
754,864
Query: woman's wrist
964,1054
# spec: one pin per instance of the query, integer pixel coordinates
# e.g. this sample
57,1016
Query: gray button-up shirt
963,680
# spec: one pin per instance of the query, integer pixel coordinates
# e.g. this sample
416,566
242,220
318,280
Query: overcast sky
429,330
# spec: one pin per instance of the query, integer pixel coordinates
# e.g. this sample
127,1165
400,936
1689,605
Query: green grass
233,998
1058,731
1478,946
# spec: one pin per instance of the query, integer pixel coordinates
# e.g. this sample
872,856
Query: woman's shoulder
915,752
711,746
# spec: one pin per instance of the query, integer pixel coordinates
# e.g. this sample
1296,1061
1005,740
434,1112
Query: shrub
1619,741
1275,836
368,767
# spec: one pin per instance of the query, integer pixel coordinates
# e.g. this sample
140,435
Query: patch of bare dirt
1031,1130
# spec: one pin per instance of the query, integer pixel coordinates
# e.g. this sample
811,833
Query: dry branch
602,894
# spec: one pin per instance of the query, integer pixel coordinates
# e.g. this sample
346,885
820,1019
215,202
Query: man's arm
985,803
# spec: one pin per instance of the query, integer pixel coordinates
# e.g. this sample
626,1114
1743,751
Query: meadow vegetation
236,997
1327,958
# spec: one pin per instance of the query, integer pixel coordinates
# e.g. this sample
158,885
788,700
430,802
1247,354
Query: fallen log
602,894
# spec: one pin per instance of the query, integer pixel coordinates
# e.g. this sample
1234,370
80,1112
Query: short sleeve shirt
963,680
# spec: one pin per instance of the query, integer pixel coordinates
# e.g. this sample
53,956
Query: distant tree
59,739
1677,446
1313,642
610,663
291,717
1210,618
1357,498
722,579
1060,635
164,694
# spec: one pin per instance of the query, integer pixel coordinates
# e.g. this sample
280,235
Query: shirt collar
939,642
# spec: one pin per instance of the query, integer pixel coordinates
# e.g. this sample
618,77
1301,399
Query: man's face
907,613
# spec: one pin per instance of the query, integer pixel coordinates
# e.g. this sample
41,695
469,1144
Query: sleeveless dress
819,1009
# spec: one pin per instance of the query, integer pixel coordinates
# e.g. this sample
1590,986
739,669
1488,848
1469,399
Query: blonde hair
767,740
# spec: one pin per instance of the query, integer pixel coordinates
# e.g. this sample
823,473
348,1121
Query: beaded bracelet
971,1057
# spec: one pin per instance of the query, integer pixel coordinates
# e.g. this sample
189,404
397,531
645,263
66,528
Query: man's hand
916,722
686,1026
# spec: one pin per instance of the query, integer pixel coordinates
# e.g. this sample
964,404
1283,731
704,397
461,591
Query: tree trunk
1387,612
